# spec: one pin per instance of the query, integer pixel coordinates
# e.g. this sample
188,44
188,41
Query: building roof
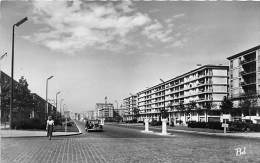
244,52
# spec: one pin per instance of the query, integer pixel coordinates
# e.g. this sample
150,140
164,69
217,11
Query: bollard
146,121
164,127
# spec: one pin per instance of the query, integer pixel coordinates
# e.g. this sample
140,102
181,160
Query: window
231,64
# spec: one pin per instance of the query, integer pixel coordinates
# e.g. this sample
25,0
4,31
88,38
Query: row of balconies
186,94
147,96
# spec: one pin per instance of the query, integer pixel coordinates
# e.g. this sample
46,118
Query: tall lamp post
65,117
116,106
47,95
12,69
57,100
60,106
164,95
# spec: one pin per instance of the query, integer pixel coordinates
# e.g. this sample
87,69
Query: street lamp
47,95
164,95
60,106
65,118
116,106
57,101
12,70
2,56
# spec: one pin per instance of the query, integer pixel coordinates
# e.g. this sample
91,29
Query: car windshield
94,121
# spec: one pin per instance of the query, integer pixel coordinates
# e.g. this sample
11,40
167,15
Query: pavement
254,135
7,133
118,144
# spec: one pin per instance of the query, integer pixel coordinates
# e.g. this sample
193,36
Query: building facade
130,105
204,85
244,75
26,105
104,110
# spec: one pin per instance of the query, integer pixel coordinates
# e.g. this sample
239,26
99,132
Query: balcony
247,83
246,61
243,73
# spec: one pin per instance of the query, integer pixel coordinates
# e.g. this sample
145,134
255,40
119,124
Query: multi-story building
244,75
130,105
206,84
35,106
89,114
104,110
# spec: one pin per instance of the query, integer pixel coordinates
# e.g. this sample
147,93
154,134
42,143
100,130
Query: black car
93,125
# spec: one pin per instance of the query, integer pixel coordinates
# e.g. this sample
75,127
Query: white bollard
146,123
164,127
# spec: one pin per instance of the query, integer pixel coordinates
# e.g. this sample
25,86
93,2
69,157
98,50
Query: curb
39,136
76,133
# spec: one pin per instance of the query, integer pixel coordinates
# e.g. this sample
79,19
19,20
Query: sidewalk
6,133
182,129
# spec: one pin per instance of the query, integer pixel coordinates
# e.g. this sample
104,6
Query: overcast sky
98,49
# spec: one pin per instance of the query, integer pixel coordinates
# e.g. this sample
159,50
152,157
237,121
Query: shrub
215,125
156,123
211,125
29,124
254,127
194,124
131,121
238,126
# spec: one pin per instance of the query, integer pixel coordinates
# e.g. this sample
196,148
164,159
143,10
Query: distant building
129,104
244,75
90,114
104,110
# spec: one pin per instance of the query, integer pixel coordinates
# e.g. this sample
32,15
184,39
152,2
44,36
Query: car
93,125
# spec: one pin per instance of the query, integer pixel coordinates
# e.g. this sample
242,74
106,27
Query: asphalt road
118,144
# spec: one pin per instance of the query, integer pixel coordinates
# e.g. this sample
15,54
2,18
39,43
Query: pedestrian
49,127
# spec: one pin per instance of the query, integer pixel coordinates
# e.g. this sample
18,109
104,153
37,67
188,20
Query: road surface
118,144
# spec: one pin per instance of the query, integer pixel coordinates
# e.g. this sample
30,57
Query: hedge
29,124
233,126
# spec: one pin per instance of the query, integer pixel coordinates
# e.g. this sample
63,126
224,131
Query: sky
114,49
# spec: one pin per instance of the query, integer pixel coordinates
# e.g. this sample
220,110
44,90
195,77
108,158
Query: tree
248,103
191,106
164,113
135,112
208,106
180,107
226,106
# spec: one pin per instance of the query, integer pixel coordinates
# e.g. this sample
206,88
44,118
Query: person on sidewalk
49,127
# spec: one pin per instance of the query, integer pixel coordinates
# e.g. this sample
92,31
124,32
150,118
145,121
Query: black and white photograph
122,81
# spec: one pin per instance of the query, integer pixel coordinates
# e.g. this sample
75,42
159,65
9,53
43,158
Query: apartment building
205,84
244,75
129,104
36,109
104,110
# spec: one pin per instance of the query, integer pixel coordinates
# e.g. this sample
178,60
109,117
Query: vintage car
93,125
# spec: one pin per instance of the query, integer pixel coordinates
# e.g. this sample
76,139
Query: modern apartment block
130,103
104,110
207,83
245,76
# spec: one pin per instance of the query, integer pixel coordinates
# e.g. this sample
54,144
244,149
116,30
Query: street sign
224,125
226,116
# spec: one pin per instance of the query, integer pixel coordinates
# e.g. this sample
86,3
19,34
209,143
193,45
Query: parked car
93,125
